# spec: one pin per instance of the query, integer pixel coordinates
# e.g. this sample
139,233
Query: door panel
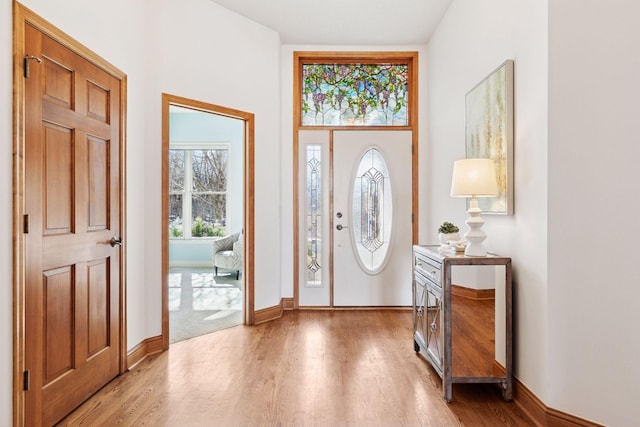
98,313
72,197
388,282
58,146
58,309
98,179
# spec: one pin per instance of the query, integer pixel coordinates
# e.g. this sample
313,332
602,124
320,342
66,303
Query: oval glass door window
371,211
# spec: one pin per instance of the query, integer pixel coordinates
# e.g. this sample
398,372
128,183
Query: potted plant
448,231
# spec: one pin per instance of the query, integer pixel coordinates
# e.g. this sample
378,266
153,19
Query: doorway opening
207,218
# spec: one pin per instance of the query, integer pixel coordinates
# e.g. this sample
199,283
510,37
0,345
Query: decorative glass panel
354,94
372,211
313,216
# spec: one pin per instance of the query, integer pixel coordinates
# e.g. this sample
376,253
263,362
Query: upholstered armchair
228,252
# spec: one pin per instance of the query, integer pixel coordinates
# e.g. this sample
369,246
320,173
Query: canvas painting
489,133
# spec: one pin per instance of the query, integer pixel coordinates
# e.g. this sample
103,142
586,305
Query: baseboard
287,303
146,348
267,314
498,369
560,419
541,414
474,294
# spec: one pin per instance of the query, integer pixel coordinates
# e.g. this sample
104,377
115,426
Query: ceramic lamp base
475,236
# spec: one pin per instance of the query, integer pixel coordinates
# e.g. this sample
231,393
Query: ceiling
345,22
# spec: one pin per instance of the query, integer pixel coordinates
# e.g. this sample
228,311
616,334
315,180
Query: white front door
355,249
372,209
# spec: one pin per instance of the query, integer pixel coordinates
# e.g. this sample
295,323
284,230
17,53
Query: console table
464,332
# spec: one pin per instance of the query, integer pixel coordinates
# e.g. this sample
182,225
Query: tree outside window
198,192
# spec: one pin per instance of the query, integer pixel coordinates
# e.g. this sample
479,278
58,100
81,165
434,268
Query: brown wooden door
72,289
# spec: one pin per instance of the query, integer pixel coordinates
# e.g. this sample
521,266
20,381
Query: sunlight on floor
201,302
203,291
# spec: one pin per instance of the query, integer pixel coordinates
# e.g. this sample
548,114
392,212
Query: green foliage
202,228
218,232
175,230
448,228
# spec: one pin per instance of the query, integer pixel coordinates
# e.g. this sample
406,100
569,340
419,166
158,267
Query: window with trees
198,192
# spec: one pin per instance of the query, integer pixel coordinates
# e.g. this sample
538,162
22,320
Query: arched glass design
372,211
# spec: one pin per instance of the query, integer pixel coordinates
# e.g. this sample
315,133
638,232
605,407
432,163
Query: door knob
340,227
115,241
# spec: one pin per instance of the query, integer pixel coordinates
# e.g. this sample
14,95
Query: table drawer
428,268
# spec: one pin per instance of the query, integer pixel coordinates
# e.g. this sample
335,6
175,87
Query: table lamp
474,178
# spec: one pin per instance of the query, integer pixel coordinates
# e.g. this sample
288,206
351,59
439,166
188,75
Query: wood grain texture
72,307
541,414
475,294
268,314
472,337
308,368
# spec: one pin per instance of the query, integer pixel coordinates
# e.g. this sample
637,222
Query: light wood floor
309,368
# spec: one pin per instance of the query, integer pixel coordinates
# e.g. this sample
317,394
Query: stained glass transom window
313,215
372,211
354,94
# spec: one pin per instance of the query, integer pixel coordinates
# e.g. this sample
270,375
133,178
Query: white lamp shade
474,178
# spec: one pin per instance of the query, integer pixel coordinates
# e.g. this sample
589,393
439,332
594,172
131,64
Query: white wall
471,41
191,48
594,147
208,53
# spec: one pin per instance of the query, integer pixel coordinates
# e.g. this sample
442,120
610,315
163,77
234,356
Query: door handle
340,227
115,241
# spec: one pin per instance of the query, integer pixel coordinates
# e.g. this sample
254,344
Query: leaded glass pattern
314,215
354,94
372,210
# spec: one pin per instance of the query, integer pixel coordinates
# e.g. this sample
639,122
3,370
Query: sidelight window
314,215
